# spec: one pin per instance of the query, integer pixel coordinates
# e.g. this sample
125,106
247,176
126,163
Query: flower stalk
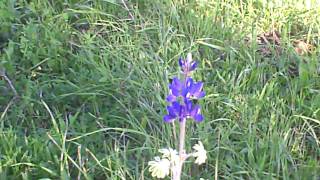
182,106
177,174
182,132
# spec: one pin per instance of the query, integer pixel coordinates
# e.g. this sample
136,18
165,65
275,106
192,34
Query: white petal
200,153
159,168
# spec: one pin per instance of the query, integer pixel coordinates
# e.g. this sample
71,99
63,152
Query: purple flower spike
182,92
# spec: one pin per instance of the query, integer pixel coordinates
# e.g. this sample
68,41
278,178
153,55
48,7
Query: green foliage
92,84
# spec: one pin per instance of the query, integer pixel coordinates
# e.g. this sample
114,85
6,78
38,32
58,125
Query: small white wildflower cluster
160,167
200,153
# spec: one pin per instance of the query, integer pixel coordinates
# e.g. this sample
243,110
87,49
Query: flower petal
171,111
188,106
171,98
189,82
175,91
200,95
175,86
181,62
200,153
195,111
177,83
168,118
176,107
196,88
193,65
198,118
159,168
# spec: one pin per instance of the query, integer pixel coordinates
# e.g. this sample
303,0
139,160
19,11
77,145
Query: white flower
159,168
200,153
171,154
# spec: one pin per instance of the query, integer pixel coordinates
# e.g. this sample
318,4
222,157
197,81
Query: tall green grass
92,82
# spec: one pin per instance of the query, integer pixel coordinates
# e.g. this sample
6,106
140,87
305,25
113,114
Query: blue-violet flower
182,91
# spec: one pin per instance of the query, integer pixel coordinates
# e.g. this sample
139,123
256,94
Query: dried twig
16,96
7,107
129,11
6,78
